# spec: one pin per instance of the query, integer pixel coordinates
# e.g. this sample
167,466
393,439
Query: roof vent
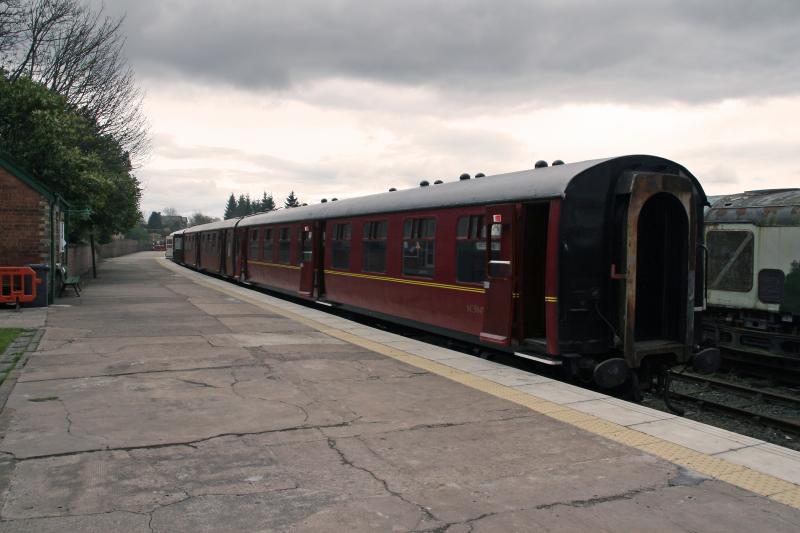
334,199
392,189
540,164
323,201
464,176
480,175
424,183
437,182
557,162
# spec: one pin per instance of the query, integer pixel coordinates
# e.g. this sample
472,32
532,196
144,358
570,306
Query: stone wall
79,260
80,255
118,248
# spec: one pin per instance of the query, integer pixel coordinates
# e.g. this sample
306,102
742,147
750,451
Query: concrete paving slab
620,412
262,324
775,460
696,436
26,318
267,339
69,416
469,363
155,328
192,290
377,335
560,393
511,377
296,352
708,506
144,358
114,521
312,434
222,309
106,345
428,351
406,344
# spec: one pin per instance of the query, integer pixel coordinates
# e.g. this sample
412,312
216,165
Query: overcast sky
340,98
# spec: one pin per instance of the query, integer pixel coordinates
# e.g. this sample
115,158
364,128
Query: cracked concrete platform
157,404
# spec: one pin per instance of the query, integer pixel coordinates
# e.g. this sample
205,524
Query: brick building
31,221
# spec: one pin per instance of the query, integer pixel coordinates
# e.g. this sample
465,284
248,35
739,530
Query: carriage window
374,246
341,246
498,268
770,285
471,249
730,260
305,239
266,251
252,252
419,247
284,246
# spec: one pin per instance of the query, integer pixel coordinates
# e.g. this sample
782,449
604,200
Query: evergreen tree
154,222
230,208
241,206
267,203
291,201
248,210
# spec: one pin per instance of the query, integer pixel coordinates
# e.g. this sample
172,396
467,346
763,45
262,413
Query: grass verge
7,336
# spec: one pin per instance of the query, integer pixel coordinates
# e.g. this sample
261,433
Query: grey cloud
518,50
433,152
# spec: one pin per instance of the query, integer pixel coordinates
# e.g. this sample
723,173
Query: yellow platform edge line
746,478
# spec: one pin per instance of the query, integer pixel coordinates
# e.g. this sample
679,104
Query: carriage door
658,278
306,244
498,307
228,259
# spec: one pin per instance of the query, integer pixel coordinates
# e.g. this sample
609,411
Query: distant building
175,222
31,222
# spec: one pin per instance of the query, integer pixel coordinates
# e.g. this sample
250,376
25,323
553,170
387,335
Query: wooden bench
69,281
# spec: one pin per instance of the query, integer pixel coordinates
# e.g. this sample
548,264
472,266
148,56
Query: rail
749,405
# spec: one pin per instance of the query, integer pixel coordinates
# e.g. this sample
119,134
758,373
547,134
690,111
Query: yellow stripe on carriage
407,281
279,265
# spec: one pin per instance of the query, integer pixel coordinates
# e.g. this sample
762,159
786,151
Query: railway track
766,408
779,368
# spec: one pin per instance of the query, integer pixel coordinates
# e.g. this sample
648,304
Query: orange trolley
18,285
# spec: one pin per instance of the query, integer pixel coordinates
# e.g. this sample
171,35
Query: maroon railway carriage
597,264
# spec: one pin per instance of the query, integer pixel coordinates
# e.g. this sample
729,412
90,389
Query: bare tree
170,212
10,28
79,53
198,218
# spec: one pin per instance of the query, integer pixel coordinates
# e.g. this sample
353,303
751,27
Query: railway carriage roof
769,207
535,184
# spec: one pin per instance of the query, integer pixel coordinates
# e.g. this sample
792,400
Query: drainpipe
51,297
